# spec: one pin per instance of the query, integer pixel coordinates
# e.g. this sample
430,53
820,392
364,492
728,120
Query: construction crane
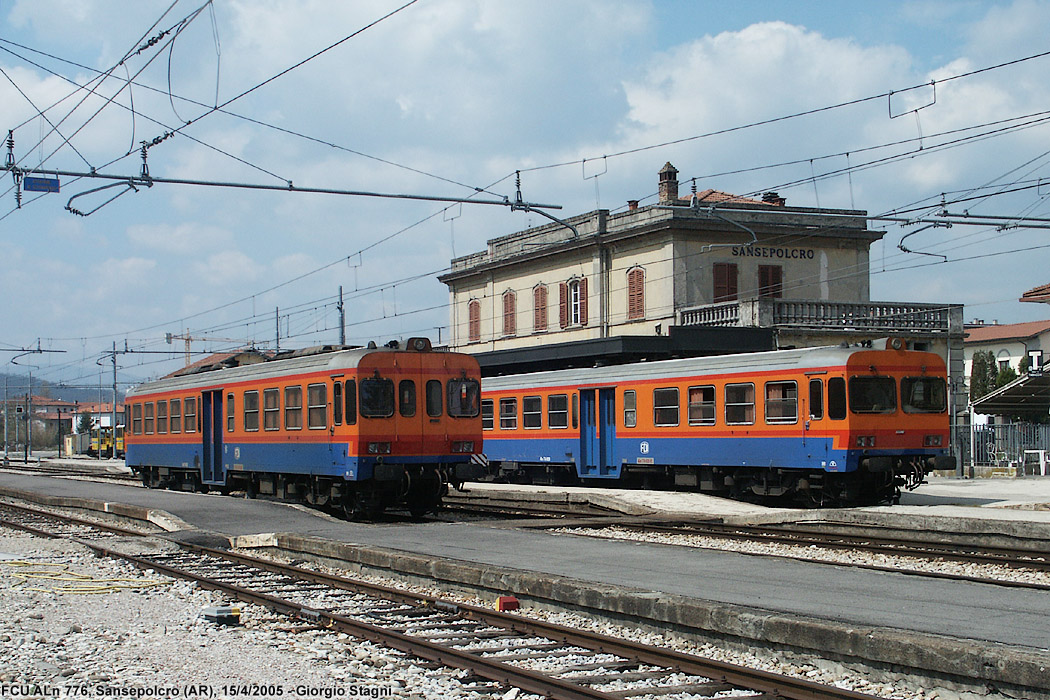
190,338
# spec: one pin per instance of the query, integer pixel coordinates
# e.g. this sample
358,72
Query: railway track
804,541
538,657
85,470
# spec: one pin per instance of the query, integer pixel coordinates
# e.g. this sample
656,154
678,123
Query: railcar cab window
271,409
189,421
837,398
701,405
872,394
251,410
351,401
487,414
136,419
630,408
924,395
532,412
464,398
433,398
317,406
148,417
558,411
740,404
162,417
816,399
176,416
293,408
665,406
377,397
508,414
781,402
406,392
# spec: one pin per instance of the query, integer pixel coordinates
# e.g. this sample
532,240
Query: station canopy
1029,394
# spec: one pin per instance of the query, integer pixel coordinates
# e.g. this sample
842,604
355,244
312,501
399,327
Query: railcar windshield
924,395
377,398
872,394
464,398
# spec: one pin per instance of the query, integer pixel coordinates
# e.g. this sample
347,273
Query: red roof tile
1006,331
1038,294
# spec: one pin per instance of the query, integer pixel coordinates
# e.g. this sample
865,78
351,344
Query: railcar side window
487,410
406,392
532,412
162,417
464,398
337,402
816,399
231,412
176,416
189,421
351,401
148,418
558,411
508,414
377,397
924,395
872,394
271,409
317,406
781,402
836,398
740,404
630,408
575,411
701,405
665,406
293,408
136,419
433,398
251,410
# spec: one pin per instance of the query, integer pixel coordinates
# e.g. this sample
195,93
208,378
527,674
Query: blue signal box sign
39,184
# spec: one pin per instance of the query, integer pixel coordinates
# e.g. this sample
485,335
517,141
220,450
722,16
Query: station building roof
1028,394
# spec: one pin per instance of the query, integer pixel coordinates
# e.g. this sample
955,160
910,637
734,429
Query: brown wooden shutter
474,321
725,275
539,311
583,301
563,305
509,313
770,281
635,294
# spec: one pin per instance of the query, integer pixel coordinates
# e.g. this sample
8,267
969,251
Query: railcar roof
776,360
329,361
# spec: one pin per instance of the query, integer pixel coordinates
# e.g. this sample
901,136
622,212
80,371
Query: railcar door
597,433
211,436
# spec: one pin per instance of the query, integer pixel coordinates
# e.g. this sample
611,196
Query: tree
1006,375
983,374
84,423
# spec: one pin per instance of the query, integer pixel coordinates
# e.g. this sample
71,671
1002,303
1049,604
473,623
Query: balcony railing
877,317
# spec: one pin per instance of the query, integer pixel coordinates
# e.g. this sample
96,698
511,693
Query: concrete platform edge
162,519
956,660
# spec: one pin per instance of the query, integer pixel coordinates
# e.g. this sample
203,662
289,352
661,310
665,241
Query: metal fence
1005,445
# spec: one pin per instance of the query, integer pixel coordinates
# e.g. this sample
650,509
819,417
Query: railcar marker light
932,441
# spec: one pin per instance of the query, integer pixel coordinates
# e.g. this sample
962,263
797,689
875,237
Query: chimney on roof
632,204
773,198
668,184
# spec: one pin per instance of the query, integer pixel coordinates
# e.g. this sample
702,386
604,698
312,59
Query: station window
176,416
701,405
665,406
740,404
464,398
630,409
406,392
251,410
337,402
189,420
272,409
162,417
231,412
377,397
532,412
558,411
781,402
136,419
433,398
487,410
351,401
924,395
816,399
293,408
872,395
508,414
147,419
317,406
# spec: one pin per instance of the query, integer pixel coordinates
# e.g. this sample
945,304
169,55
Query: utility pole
277,323
113,420
342,318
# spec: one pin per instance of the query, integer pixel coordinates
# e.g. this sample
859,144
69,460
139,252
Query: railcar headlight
933,441
463,446
865,441
379,448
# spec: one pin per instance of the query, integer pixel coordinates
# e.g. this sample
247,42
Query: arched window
573,303
474,321
510,310
539,308
636,294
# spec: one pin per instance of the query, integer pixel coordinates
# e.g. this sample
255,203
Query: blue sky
450,95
